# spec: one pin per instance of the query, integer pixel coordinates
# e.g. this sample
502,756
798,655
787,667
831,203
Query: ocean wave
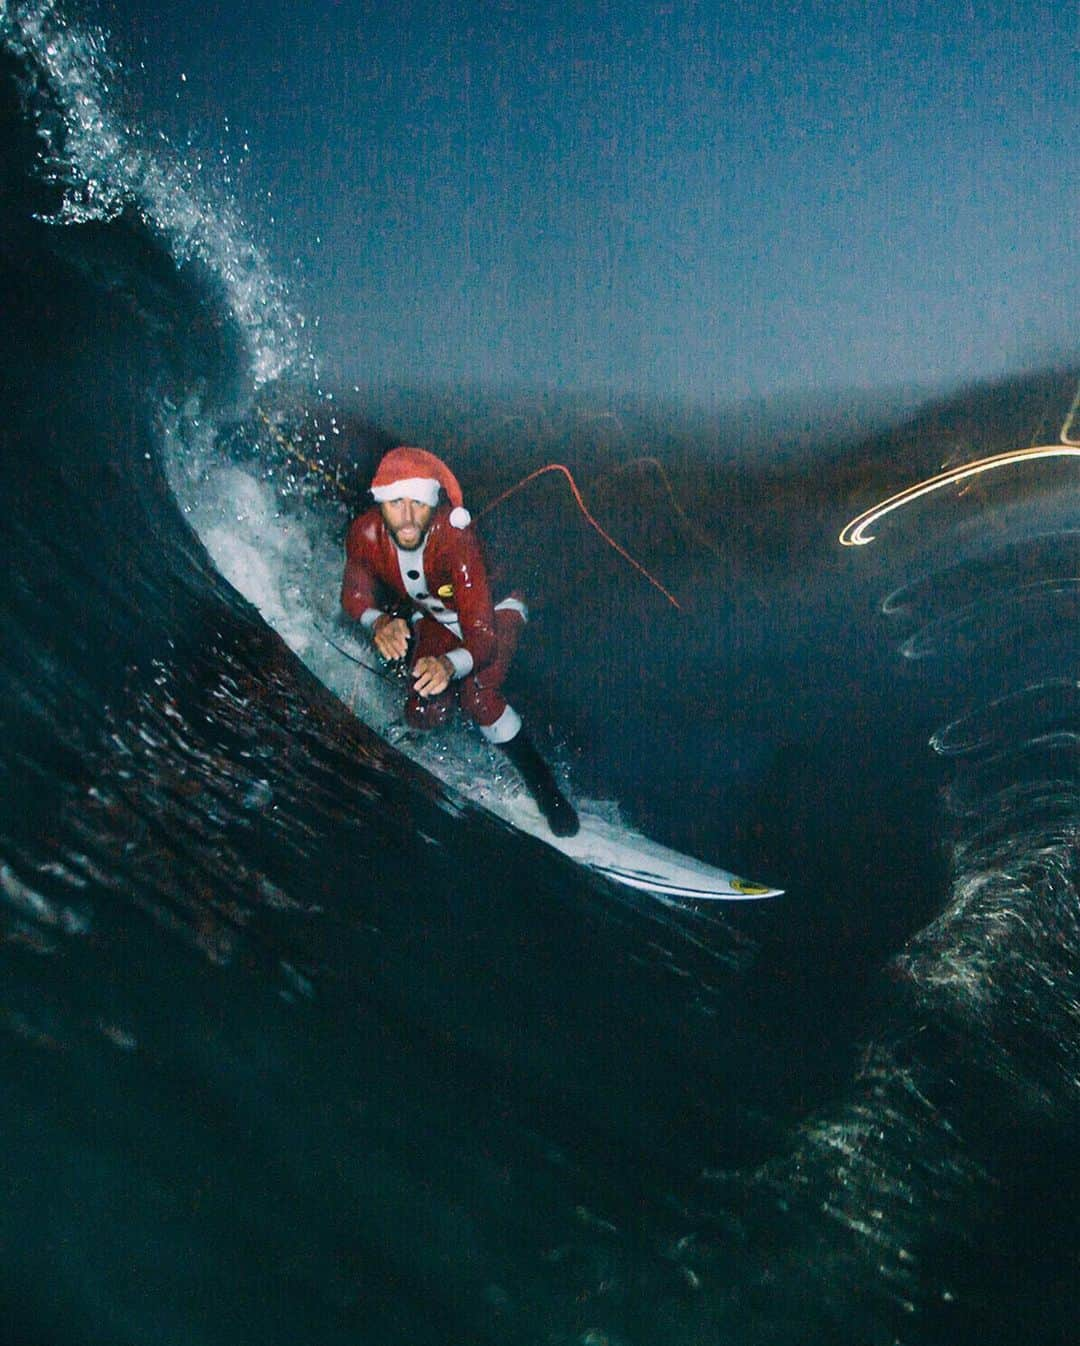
299,1044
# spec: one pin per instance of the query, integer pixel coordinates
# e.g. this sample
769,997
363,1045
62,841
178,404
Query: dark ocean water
299,1046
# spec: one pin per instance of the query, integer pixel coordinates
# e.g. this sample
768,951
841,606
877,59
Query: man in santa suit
418,547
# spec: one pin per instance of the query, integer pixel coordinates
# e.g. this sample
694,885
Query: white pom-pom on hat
417,474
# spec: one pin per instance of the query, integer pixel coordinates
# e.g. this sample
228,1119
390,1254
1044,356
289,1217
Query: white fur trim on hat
460,517
424,489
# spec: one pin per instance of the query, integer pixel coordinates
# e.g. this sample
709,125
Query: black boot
536,774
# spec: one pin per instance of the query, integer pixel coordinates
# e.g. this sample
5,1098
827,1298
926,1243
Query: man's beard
408,546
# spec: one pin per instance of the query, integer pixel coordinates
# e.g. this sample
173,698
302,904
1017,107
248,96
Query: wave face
300,1045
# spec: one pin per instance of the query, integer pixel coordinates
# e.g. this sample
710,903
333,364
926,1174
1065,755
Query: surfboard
629,858
613,850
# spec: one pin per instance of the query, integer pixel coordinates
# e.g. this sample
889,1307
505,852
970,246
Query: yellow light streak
854,534
1069,429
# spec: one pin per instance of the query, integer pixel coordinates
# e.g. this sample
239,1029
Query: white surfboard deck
628,857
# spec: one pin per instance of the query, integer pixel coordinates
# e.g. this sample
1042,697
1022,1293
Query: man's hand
432,674
391,637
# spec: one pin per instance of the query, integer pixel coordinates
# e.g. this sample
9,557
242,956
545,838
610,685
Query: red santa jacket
445,579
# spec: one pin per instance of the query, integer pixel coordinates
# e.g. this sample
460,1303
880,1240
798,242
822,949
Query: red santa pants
480,694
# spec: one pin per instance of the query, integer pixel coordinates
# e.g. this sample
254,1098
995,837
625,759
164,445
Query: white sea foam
104,167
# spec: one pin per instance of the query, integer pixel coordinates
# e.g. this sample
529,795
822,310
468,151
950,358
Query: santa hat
417,474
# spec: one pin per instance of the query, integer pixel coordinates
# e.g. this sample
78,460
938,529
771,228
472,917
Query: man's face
407,521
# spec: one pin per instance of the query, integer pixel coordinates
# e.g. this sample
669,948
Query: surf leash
394,672
384,673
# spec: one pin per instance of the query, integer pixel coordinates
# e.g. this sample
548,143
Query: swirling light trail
1069,429
854,534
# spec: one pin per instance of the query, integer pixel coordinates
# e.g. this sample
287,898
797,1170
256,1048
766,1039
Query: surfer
417,544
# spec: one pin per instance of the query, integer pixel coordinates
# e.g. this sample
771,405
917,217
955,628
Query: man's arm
358,597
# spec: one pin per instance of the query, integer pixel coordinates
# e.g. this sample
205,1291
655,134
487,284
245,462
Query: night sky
713,200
